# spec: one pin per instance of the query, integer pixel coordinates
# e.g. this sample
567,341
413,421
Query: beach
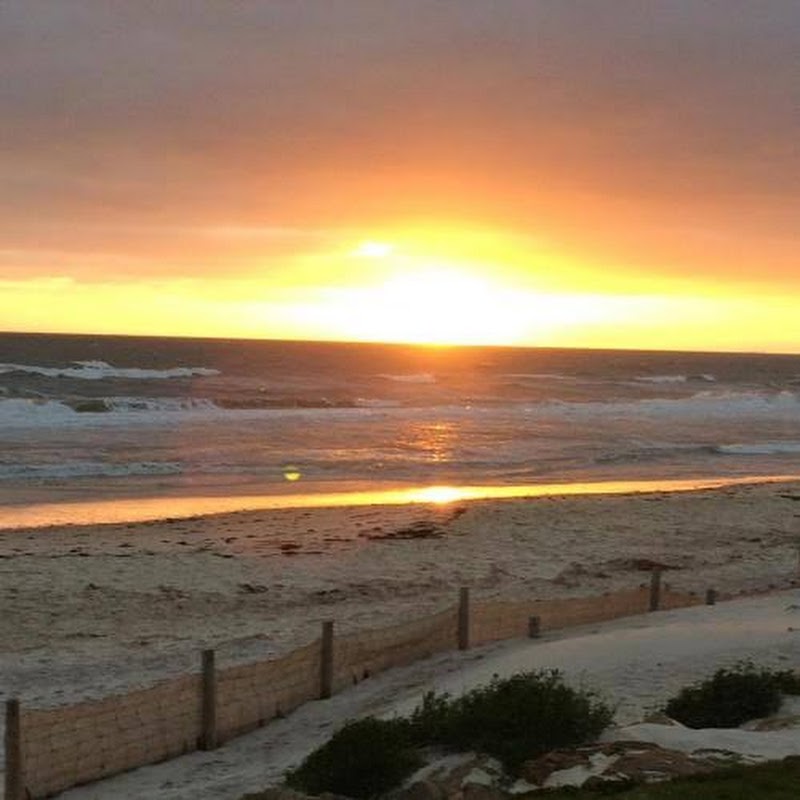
91,610
636,664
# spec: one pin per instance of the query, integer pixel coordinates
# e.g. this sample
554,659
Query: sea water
86,416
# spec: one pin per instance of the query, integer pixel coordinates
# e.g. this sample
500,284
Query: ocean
83,417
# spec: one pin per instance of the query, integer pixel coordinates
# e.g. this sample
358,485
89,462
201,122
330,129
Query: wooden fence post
208,735
655,590
463,618
534,627
326,661
711,597
15,769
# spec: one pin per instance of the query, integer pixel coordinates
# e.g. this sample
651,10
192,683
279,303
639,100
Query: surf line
149,509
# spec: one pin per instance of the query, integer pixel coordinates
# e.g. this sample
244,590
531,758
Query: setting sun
373,249
435,306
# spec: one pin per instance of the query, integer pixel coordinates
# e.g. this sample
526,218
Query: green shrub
512,719
732,696
363,759
788,681
431,721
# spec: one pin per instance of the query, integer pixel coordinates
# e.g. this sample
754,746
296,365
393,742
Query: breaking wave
761,449
87,469
661,379
711,404
419,377
100,370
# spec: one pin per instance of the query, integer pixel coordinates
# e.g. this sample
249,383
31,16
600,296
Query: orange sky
580,174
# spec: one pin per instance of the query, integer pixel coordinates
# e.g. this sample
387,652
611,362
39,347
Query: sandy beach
88,610
635,663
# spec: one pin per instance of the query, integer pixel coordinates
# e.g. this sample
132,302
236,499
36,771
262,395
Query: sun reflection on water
438,494
153,508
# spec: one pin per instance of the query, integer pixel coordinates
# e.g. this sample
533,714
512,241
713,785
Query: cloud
661,135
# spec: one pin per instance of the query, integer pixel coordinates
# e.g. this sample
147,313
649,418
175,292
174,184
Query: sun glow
440,495
430,305
373,250
432,285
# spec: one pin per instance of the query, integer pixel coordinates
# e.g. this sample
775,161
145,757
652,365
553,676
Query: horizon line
419,345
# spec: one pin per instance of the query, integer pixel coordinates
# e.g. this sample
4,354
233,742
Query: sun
439,495
437,291
431,304
371,249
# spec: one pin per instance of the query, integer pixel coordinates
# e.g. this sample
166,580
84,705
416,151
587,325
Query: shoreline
28,511
89,610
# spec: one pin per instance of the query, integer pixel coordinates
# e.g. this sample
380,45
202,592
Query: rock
538,770
478,791
277,793
332,796
658,765
660,718
623,745
419,790
617,762
776,723
479,777
462,774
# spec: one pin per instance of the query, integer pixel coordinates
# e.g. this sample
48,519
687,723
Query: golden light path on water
142,509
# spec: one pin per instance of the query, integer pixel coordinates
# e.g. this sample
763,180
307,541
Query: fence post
534,627
463,618
208,735
15,770
655,590
326,661
711,597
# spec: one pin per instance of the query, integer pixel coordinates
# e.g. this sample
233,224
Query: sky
542,172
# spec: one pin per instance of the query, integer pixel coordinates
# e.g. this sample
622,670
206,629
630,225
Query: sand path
635,663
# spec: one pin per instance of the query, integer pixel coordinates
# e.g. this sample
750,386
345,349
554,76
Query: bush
788,681
513,719
732,696
363,759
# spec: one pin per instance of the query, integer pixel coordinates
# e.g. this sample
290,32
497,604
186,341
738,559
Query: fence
50,750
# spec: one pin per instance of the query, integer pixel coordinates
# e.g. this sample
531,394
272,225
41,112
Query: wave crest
101,370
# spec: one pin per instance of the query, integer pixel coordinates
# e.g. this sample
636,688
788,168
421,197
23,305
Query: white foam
366,402
128,405
100,370
708,403
760,449
18,411
538,376
704,377
662,379
25,412
157,411
419,377
87,469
